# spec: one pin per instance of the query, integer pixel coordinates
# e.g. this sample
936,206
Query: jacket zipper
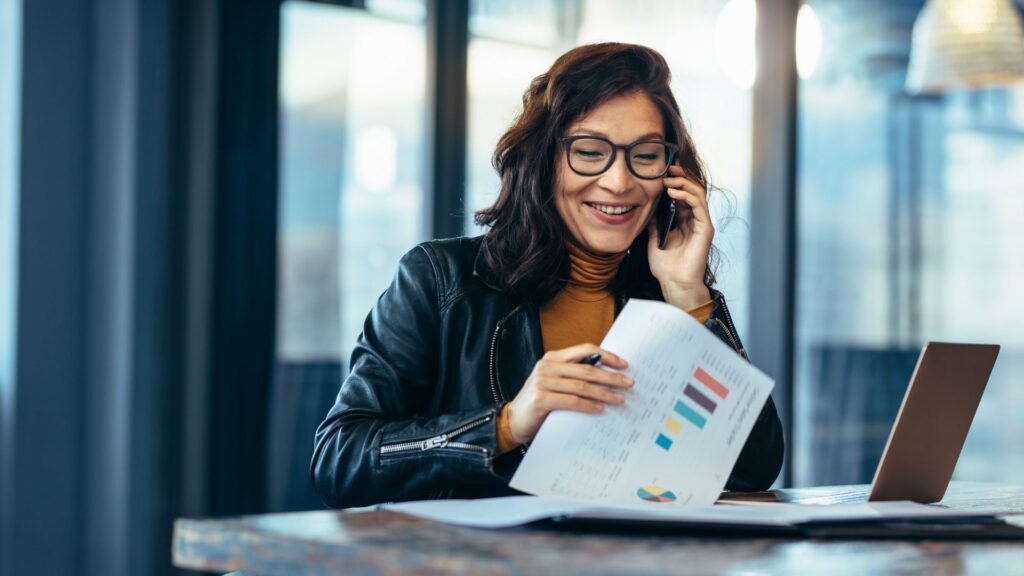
494,379
730,331
499,398
441,440
444,440
495,391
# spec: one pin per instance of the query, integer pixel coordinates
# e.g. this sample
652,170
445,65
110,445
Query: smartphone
665,215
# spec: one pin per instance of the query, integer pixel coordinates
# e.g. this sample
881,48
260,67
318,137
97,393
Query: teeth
613,210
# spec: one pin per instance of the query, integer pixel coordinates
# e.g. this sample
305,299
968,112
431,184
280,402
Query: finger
556,401
683,222
687,184
696,204
675,171
612,360
589,374
574,354
684,217
652,233
679,177
583,389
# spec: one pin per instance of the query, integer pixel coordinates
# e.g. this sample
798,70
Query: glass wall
709,46
352,181
352,167
509,45
10,84
911,220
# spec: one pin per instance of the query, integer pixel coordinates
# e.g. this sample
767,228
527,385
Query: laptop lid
932,424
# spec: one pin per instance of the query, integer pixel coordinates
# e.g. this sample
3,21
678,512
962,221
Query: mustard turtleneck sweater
581,312
584,310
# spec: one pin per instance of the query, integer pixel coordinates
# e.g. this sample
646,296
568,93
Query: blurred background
200,201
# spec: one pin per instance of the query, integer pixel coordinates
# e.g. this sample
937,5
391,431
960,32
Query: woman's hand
560,382
680,267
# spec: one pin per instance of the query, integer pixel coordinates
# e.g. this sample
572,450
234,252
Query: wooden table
384,542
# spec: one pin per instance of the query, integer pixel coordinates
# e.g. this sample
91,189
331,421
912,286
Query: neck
592,271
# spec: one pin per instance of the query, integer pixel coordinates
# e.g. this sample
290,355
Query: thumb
652,235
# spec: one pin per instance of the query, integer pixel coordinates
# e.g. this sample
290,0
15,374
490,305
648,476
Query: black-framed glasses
592,155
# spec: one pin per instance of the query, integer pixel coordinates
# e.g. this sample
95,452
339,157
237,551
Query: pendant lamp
965,44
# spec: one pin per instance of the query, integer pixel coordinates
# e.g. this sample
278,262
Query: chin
607,245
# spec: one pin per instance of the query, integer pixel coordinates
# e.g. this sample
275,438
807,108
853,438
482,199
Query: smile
612,210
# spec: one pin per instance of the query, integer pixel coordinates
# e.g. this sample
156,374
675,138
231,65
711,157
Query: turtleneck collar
590,273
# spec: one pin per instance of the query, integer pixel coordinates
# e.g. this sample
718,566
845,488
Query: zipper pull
435,442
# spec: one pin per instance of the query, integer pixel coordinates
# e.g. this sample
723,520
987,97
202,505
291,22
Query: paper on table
518,510
778,515
677,436
488,512
511,511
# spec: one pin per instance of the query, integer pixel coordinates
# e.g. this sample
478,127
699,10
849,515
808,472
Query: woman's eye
645,158
589,154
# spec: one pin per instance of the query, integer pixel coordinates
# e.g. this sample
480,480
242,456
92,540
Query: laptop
926,438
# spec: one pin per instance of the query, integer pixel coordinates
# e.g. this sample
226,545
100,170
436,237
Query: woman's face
605,213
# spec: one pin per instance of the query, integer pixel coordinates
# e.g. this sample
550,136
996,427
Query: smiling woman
477,340
602,200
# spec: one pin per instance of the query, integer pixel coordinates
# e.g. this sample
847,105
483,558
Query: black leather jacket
439,355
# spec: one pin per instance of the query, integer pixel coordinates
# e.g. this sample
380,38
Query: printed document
675,439
518,510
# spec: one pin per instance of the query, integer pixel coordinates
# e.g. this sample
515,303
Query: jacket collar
483,270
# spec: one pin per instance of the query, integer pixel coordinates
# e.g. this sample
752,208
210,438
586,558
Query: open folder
866,520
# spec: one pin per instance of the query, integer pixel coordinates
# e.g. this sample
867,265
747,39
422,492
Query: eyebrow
586,132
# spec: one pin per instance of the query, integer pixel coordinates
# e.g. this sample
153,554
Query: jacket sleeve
760,459
373,445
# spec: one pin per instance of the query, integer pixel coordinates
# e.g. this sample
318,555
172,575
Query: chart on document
677,436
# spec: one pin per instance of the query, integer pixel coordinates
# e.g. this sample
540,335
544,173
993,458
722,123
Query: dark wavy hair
526,242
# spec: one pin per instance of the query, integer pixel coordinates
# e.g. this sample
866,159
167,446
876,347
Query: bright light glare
376,158
808,41
973,16
735,42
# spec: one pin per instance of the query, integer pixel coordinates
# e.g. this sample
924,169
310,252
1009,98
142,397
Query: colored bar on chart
712,384
674,426
690,414
699,397
663,441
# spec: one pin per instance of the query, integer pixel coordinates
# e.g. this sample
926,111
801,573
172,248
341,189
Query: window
351,193
352,168
10,83
507,49
911,217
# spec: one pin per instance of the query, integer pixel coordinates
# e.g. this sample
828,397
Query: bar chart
696,406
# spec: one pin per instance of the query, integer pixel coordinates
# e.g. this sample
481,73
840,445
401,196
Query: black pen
592,360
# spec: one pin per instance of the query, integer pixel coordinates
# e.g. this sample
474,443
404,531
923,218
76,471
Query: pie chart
656,494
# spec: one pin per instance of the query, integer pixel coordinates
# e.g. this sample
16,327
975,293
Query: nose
617,178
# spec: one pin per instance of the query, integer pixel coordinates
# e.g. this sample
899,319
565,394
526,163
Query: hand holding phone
681,266
666,217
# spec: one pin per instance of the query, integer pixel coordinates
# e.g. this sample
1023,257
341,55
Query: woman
477,340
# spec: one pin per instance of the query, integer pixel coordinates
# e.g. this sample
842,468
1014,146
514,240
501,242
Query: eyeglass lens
592,156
